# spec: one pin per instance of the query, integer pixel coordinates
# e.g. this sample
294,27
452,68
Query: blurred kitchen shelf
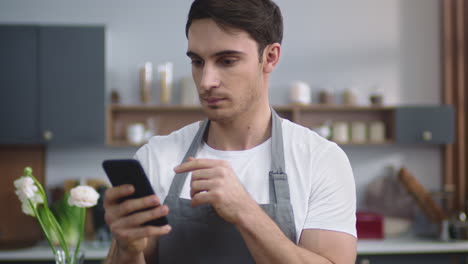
164,119
167,118
352,144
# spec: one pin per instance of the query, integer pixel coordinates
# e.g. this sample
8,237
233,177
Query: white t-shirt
320,177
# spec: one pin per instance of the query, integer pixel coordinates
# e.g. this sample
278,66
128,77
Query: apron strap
277,149
279,188
278,180
179,178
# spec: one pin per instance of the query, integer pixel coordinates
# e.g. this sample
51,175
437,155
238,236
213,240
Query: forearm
116,256
268,244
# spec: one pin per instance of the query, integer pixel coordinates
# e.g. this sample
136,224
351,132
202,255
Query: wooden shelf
124,143
339,108
384,143
168,118
151,108
312,107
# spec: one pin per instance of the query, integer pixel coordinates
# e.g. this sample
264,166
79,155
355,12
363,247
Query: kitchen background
391,45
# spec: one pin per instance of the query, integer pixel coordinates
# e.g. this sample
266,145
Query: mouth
213,100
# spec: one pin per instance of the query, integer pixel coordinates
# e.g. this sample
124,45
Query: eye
197,62
228,61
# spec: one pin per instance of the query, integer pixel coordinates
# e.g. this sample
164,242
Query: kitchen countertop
402,245
409,245
93,251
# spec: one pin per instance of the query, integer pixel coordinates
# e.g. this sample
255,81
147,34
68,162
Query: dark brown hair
261,19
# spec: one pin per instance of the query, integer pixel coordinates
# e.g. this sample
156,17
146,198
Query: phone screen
129,171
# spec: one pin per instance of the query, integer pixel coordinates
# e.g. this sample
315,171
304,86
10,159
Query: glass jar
61,259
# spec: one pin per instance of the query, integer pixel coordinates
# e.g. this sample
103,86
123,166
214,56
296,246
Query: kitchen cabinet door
19,116
71,70
51,84
16,228
425,125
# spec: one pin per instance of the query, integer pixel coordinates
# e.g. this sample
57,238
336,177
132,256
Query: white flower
27,209
26,204
83,196
28,194
25,188
37,199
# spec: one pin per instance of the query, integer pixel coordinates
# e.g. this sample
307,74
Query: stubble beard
235,108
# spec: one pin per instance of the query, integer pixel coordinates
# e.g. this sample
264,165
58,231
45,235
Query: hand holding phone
129,171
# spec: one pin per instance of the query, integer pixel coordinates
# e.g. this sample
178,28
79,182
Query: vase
60,257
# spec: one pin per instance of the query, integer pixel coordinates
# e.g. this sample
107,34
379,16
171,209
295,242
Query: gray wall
389,44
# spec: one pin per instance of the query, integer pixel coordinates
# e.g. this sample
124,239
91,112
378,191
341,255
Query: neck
244,132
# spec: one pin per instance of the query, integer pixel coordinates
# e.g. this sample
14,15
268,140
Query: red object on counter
369,225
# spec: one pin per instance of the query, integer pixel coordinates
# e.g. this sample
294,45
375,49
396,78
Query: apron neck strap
278,181
277,149
179,178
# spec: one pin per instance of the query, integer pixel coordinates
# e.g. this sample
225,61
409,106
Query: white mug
136,133
299,93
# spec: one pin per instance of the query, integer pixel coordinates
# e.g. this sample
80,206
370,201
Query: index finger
196,164
114,194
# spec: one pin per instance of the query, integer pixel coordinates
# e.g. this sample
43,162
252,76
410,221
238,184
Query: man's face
226,70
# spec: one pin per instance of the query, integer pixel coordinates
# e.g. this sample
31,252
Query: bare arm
214,182
268,244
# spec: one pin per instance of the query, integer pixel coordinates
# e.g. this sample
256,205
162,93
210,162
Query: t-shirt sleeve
332,202
143,155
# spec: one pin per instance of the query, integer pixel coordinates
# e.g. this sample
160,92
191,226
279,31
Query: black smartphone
129,171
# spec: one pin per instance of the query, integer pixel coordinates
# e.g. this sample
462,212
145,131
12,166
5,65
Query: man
248,185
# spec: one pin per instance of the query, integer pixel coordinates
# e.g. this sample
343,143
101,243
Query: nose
209,78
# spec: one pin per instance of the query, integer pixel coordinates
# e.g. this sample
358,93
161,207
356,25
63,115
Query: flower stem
58,231
51,219
44,228
82,227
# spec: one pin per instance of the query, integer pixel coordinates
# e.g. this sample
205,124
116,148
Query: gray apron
199,235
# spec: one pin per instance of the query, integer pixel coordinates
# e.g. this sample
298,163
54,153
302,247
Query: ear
271,56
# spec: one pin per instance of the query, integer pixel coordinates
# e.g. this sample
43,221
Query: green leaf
68,218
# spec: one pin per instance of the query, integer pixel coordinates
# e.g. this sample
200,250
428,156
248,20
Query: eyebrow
217,54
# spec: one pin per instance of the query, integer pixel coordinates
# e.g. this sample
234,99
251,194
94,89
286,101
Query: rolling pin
432,210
